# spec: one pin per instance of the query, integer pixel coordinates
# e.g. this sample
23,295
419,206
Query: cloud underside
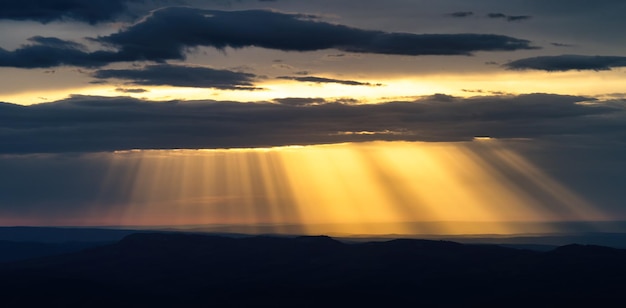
86,123
169,33
567,63
181,76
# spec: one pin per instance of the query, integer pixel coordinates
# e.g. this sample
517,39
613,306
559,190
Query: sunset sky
368,117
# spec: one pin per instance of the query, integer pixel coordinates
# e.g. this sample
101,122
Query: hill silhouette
192,270
13,251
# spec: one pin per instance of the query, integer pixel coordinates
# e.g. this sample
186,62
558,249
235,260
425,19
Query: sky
368,117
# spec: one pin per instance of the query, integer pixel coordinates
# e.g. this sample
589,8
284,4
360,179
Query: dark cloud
181,76
461,14
561,45
91,11
168,33
86,123
496,15
509,17
329,80
301,101
568,62
44,52
473,91
518,18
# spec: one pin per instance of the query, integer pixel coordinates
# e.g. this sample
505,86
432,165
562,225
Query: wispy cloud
461,14
509,17
329,80
130,90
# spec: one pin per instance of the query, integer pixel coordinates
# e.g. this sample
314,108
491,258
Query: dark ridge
586,249
13,251
193,270
61,235
319,240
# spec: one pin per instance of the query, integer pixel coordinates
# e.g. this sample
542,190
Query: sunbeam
354,188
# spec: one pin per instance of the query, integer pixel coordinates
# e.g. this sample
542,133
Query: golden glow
392,88
366,188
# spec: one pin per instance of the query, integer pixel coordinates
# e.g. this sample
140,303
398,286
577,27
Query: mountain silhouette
193,270
13,251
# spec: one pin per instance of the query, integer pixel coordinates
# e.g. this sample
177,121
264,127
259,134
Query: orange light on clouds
391,88
364,188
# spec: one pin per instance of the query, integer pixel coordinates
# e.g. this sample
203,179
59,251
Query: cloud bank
88,123
166,33
170,33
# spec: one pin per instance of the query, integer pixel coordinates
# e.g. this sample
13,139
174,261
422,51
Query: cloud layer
86,123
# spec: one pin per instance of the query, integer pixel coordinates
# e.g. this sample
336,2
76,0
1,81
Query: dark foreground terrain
188,270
